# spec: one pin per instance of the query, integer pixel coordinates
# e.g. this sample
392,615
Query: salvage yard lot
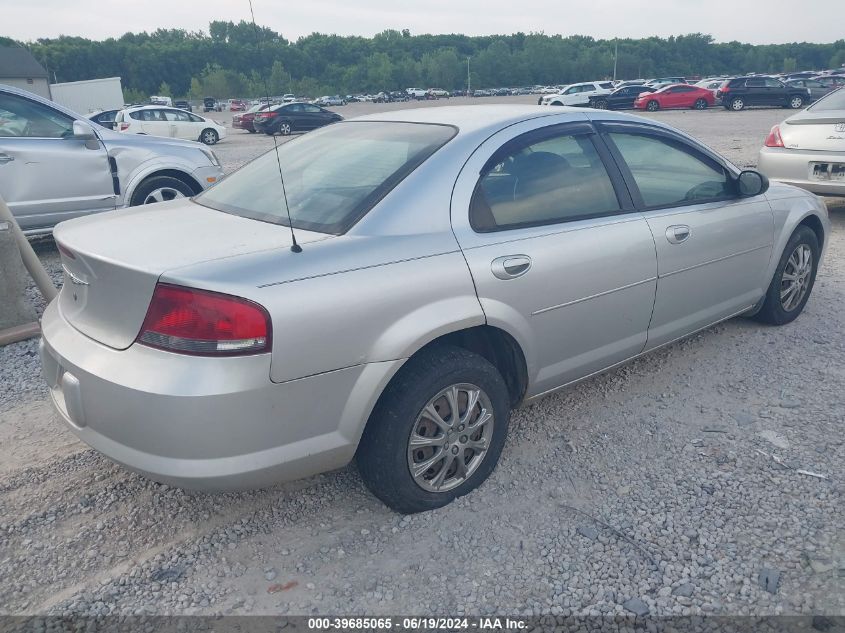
669,484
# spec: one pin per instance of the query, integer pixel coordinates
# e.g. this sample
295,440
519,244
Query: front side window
24,118
773,83
176,115
332,176
669,174
755,83
549,181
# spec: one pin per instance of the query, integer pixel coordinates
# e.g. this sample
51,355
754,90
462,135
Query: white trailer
89,96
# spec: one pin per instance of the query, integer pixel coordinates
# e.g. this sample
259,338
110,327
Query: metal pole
30,259
615,58
469,88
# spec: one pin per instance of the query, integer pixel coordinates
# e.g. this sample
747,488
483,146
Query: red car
244,121
236,105
676,96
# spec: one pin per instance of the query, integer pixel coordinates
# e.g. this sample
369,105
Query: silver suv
55,165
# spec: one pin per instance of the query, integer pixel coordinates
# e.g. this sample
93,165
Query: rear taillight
124,127
265,115
204,323
725,89
774,139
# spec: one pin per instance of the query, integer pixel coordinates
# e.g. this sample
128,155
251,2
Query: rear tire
285,128
209,136
796,102
793,280
737,104
700,104
601,104
386,455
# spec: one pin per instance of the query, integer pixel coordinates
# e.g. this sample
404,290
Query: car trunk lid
820,131
113,261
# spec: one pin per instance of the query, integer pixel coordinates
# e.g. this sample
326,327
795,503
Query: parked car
244,121
160,100
183,105
104,118
816,89
236,105
451,264
172,122
55,165
808,148
293,117
335,100
288,98
740,92
676,96
417,93
578,94
438,93
398,95
620,99
831,81
665,81
210,104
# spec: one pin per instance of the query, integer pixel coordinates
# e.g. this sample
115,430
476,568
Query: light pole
469,91
615,58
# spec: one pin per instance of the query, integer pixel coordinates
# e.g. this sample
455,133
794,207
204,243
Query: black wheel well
815,224
499,348
178,175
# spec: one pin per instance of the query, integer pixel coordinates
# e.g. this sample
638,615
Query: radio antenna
296,248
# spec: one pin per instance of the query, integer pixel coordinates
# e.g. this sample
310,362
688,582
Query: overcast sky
755,21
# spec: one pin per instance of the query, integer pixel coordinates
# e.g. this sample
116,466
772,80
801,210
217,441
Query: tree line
239,59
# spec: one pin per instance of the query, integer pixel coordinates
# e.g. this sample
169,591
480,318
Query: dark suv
738,93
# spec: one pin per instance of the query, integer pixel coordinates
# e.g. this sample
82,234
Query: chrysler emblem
839,127
77,281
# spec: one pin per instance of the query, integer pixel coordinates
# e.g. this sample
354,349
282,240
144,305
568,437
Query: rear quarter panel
790,206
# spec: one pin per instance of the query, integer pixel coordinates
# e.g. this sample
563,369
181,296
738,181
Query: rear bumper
204,423
793,168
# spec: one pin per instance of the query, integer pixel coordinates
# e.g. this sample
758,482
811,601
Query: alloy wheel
796,102
701,104
450,437
163,194
796,277
284,129
209,137
653,106
737,104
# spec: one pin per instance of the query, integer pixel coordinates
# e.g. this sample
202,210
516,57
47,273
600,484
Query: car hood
112,261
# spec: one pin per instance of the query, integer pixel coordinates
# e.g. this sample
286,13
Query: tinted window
176,115
668,174
332,176
809,83
22,117
193,118
606,86
773,83
549,181
292,108
307,107
755,83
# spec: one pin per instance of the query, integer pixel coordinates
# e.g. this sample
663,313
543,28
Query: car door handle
510,266
5,158
678,233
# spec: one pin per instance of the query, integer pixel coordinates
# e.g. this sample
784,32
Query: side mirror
751,183
84,132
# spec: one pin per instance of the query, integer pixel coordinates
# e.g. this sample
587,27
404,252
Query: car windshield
332,176
833,101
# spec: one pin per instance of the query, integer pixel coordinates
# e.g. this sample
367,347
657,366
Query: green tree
164,90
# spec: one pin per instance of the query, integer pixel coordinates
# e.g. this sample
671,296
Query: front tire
209,136
437,431
652,106
793,280
160,189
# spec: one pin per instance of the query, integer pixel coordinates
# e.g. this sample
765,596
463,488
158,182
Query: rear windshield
833,101
332,176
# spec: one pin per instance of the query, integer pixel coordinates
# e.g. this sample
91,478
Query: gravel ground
670,485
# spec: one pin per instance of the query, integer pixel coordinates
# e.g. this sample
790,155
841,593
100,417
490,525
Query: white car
170,122
578,94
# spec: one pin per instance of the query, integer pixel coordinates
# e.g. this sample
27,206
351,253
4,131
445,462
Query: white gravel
668,485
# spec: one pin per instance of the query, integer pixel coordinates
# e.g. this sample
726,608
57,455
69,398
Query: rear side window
773,83
606,86
755,83
554,180
669,174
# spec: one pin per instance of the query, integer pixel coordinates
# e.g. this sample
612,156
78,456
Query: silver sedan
808,149
449,264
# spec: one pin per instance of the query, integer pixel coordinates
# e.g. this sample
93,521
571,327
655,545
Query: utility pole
615,58
469,91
